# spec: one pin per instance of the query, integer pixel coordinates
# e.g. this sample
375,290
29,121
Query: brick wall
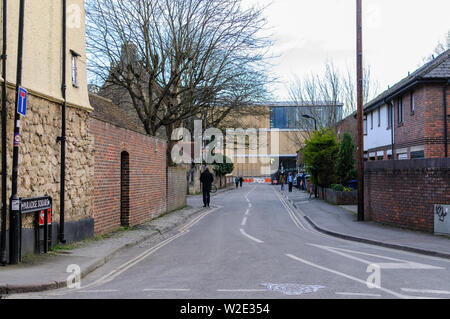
177,188
147,176
403,193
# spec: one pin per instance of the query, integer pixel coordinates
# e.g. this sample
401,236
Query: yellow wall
289,142
42,58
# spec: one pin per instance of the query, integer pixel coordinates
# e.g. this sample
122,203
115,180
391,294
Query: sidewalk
341,221
48,271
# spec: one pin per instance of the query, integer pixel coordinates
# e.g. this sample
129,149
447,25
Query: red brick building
411,119
408,125
130,169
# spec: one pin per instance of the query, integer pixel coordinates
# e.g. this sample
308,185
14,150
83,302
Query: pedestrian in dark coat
290,182
236,181
206,178
241,180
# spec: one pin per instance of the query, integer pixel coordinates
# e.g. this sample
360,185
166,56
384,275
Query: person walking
282,181
206,178
241,180
290,182
236,182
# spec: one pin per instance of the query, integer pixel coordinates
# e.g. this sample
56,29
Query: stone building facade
39,149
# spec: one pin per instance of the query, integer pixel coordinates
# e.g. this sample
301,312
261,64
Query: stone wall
403,193
40,159
177,186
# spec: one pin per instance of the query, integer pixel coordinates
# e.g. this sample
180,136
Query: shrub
345,163
320,155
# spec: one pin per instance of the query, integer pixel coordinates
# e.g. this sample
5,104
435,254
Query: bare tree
327,97
440,48
170,60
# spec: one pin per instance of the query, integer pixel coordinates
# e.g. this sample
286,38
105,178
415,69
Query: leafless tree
440,48
327,97
171,60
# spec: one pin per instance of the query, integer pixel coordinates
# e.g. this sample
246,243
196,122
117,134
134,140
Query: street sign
34,204
22,101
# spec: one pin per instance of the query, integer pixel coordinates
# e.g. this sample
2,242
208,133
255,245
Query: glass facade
285,117
291,117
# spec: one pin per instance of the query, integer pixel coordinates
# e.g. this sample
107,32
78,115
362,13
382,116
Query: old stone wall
40,159
177,186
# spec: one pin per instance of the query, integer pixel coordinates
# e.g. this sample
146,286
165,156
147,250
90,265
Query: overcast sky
397,35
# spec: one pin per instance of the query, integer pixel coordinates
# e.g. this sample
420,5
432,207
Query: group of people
286,179
238,181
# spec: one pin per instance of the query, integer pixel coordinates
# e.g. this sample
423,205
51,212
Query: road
252,244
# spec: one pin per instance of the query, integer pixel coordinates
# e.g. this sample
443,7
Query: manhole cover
292,289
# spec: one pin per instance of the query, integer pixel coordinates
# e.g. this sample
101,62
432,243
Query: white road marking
357,294
250,205
401,263
292,214
398,295
244,221
127,265
251,237
166,289
97,291
427,291
242,290
247,211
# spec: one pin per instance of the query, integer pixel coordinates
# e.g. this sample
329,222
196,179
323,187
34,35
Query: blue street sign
22,101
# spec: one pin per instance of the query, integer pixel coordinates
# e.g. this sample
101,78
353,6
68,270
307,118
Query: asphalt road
252,244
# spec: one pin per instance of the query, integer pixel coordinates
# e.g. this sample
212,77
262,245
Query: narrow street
252,244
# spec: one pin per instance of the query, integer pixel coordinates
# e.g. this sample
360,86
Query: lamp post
306,116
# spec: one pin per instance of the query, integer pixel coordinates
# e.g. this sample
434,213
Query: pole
360,110
4,141
63,127
14,218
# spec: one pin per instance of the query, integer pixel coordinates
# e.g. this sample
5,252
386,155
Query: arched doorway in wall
124,189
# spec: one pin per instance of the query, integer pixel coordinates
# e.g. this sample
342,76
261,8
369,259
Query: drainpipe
446,120
4,141
62,138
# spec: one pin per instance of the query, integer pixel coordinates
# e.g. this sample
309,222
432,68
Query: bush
341,188
224,168
320,155
338,187
345,162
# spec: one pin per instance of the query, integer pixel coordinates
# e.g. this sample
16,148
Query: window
418,154
365,124
74,68
286,118
371,120
413,104
379,117
400,110
389,115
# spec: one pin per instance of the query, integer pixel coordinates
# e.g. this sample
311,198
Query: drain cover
292,289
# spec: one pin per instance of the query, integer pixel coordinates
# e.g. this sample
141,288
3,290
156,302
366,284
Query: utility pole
360,110
14,205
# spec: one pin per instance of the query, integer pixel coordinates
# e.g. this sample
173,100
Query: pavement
50,271
341,221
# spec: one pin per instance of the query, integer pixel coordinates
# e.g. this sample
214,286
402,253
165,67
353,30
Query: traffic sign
22,101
